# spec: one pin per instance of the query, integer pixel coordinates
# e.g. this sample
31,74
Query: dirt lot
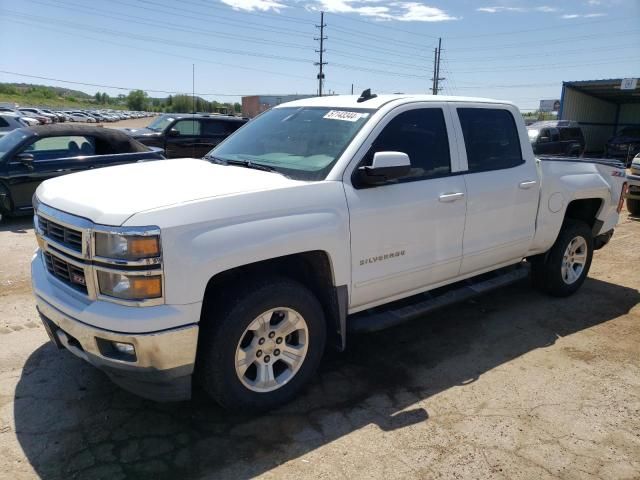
512,385
131,123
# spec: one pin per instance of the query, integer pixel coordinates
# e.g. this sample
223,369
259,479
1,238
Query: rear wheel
562,271
633,206
263,347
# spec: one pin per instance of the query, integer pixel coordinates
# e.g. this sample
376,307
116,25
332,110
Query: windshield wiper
244,163
250,164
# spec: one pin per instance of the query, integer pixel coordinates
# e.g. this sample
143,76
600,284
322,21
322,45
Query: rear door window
491,139
188,127
219,127
570,134
61,147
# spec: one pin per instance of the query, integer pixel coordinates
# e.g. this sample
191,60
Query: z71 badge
381,258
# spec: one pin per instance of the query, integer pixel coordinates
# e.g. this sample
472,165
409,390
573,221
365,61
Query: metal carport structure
601,107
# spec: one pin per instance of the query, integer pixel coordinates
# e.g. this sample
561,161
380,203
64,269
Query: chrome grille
65,272
66,236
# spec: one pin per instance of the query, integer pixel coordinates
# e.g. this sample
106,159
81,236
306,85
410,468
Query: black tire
223,329
546,270
633,206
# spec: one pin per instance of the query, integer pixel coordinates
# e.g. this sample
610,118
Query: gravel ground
131,123
511,385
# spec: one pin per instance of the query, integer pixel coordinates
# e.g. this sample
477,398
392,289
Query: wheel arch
586,210
6,203
313,269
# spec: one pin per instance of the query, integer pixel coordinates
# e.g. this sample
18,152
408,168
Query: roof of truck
351,101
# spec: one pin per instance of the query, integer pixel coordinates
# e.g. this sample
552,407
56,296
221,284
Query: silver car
9,122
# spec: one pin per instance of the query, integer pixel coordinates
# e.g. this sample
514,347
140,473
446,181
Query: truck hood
109,196
140,132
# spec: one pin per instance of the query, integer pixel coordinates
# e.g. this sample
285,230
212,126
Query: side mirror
543,140
386,166
173,133
26,159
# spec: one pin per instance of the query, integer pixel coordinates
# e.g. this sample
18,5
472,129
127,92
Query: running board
416,306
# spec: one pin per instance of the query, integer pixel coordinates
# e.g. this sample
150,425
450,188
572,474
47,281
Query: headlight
127,247
129,287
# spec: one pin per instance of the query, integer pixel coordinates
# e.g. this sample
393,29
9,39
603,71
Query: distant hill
58,91
44,96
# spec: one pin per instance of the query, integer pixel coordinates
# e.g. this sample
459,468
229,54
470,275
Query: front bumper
163,364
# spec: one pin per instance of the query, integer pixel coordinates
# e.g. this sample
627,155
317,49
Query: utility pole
436,69
434,91
321,63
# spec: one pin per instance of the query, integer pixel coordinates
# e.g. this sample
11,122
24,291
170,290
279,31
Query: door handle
451,197
528,184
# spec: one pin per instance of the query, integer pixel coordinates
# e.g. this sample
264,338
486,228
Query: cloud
498,9
251,5
408,11
594,2
578,15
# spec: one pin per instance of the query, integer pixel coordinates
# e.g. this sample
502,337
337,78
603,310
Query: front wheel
263,347
562,271
633,206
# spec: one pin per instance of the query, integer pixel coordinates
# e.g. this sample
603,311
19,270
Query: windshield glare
160,123
300,142
10,140
533,134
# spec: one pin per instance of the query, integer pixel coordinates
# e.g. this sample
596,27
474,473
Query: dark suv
556,137
625,145
186,134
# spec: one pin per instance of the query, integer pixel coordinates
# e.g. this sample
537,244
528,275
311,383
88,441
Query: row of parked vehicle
565,138
11,118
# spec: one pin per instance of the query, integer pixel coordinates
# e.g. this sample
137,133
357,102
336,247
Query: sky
513,50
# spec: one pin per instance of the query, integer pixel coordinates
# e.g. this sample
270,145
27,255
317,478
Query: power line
170,92
171,26
546,41
225,20
155,39
551,27
371,24
542,66
562,53
76,35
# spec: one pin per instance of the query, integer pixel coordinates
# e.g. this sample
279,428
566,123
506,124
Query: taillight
623,194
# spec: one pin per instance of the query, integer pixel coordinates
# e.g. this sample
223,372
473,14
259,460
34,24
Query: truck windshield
303,143
160,123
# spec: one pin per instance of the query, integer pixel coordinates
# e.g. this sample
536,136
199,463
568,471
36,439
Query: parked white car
80,117
302,223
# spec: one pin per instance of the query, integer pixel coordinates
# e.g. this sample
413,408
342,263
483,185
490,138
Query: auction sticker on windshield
344,115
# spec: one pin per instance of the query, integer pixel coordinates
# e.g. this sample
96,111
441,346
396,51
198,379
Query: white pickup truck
312,220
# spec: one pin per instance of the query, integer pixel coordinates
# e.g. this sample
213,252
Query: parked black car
556,137
187,134
28,156
625,145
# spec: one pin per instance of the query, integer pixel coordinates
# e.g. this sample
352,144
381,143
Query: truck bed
610,162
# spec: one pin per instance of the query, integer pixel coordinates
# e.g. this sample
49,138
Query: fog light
122,351
125,348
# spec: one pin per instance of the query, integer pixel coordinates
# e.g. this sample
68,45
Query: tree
237,107
137,100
